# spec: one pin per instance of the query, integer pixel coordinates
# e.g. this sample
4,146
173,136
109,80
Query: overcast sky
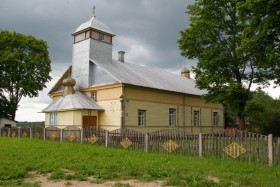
147,30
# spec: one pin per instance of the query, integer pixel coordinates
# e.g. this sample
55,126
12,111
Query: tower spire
93,10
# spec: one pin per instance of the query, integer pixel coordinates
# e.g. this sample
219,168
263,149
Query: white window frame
215,118
94,96
141,118
195,118
101,36
53,118
172,117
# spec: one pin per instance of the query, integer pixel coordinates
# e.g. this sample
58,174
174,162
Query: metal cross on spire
93,10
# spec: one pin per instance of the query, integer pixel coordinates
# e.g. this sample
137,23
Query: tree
263,30
263,112
225,68
24,69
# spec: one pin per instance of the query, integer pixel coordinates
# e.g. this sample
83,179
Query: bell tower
92,40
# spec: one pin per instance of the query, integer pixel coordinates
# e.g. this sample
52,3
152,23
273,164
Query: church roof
94,24
137,75
76,101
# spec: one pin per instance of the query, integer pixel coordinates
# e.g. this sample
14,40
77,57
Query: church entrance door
89,121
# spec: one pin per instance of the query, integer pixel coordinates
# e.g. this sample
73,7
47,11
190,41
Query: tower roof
94,24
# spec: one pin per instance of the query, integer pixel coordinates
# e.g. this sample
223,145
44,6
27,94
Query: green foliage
264,112
262,34
24,69
31,124
230,59
24,155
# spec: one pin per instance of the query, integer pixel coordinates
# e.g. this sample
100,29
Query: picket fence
232,145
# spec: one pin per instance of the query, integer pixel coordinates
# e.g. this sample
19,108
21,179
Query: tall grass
19,156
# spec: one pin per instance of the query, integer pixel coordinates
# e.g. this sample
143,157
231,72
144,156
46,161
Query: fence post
30,132
9,132
270,150
106,138
200,145
19,132
146,141
44,134
0,132
82,130
61,135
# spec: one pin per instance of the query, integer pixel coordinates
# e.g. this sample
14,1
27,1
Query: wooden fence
233,145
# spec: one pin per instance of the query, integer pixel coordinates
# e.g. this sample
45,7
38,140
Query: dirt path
43,181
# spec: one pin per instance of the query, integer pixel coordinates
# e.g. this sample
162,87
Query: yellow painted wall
105,93
157,104
110,118
69,118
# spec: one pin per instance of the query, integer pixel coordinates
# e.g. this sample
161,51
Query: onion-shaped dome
69,81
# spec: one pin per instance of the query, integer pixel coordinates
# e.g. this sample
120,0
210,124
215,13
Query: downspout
184,113
123,98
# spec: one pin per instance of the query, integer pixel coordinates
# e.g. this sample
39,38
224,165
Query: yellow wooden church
98,91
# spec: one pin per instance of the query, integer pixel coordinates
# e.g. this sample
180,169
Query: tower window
101,36
93,96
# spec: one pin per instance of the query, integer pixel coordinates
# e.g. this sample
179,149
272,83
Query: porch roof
76,101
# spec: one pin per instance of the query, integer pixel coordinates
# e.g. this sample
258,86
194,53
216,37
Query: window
141,117
93,96
101,36
172,117
215,118
196,118
53,118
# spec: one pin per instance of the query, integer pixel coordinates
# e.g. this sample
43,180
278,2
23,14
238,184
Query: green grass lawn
20,156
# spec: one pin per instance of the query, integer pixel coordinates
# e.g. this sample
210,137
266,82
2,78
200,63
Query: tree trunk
13,106
241,121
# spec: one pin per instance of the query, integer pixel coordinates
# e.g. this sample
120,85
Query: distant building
112,94
6,122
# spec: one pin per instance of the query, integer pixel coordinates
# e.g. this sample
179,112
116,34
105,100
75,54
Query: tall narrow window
215,118
101,36
93,96
141,117
172,117
53,118
196,118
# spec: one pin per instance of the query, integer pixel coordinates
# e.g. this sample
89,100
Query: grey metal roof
95,24
76,101
137,75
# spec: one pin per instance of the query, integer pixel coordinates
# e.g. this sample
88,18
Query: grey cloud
147,30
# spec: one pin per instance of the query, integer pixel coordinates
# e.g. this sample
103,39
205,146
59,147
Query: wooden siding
105,94
157,104
111,116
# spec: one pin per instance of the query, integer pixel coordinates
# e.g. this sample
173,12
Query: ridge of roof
139,75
